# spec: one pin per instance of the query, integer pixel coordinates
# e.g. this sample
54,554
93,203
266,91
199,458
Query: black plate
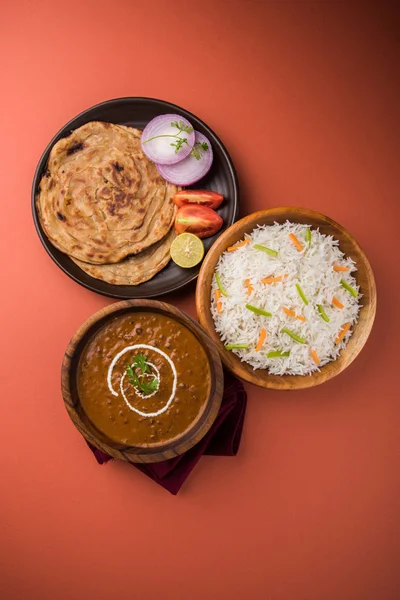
137,112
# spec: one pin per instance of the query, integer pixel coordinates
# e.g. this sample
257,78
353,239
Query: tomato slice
203,197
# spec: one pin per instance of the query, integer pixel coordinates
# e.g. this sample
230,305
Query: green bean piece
258,311
308,236
235,346
277,354
266,250
302,294
349,288
220,286
294,336
323,313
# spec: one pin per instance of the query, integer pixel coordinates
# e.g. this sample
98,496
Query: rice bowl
292,288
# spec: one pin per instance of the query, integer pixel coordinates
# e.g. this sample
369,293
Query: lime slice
187,250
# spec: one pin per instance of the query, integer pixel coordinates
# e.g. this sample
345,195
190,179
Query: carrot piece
261,339
291,313
249,286
340,269
315,357
271,279
345,329
296,242
337,303
217,295
239,245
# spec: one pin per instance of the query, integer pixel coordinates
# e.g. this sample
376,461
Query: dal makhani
143,379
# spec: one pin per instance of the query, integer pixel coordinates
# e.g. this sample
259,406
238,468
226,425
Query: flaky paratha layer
101,199
134,269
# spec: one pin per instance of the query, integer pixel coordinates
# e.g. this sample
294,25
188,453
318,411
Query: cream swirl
121,383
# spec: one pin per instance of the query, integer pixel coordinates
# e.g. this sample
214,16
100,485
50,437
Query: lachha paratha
101,199
134,269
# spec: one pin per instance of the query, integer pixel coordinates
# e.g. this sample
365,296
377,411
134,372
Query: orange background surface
305,97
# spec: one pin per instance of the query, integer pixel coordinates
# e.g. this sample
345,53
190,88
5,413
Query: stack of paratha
103,202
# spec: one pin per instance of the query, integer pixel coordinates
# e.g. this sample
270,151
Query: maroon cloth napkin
223,439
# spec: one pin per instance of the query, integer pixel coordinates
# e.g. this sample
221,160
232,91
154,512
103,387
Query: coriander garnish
196,149
180,125
136,375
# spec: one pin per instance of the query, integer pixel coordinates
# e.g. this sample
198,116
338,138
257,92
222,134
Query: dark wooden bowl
130,453
364,276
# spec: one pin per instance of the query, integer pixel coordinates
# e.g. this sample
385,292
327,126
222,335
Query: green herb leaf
149,386
178,144
181,126
196,149
145,385
140,362
133,378
130,371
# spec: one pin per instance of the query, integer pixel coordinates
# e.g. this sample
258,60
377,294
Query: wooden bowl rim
260,377
198,428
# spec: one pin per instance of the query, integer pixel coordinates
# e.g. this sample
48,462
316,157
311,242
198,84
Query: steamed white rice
312,268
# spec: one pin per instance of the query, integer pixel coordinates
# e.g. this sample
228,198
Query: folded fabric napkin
223,439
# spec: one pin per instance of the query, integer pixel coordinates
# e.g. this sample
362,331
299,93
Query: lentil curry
143,379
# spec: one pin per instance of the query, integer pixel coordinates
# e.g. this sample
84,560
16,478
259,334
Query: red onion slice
162,139
193,167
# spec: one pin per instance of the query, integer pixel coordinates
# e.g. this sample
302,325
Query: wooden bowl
364,276
130,453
